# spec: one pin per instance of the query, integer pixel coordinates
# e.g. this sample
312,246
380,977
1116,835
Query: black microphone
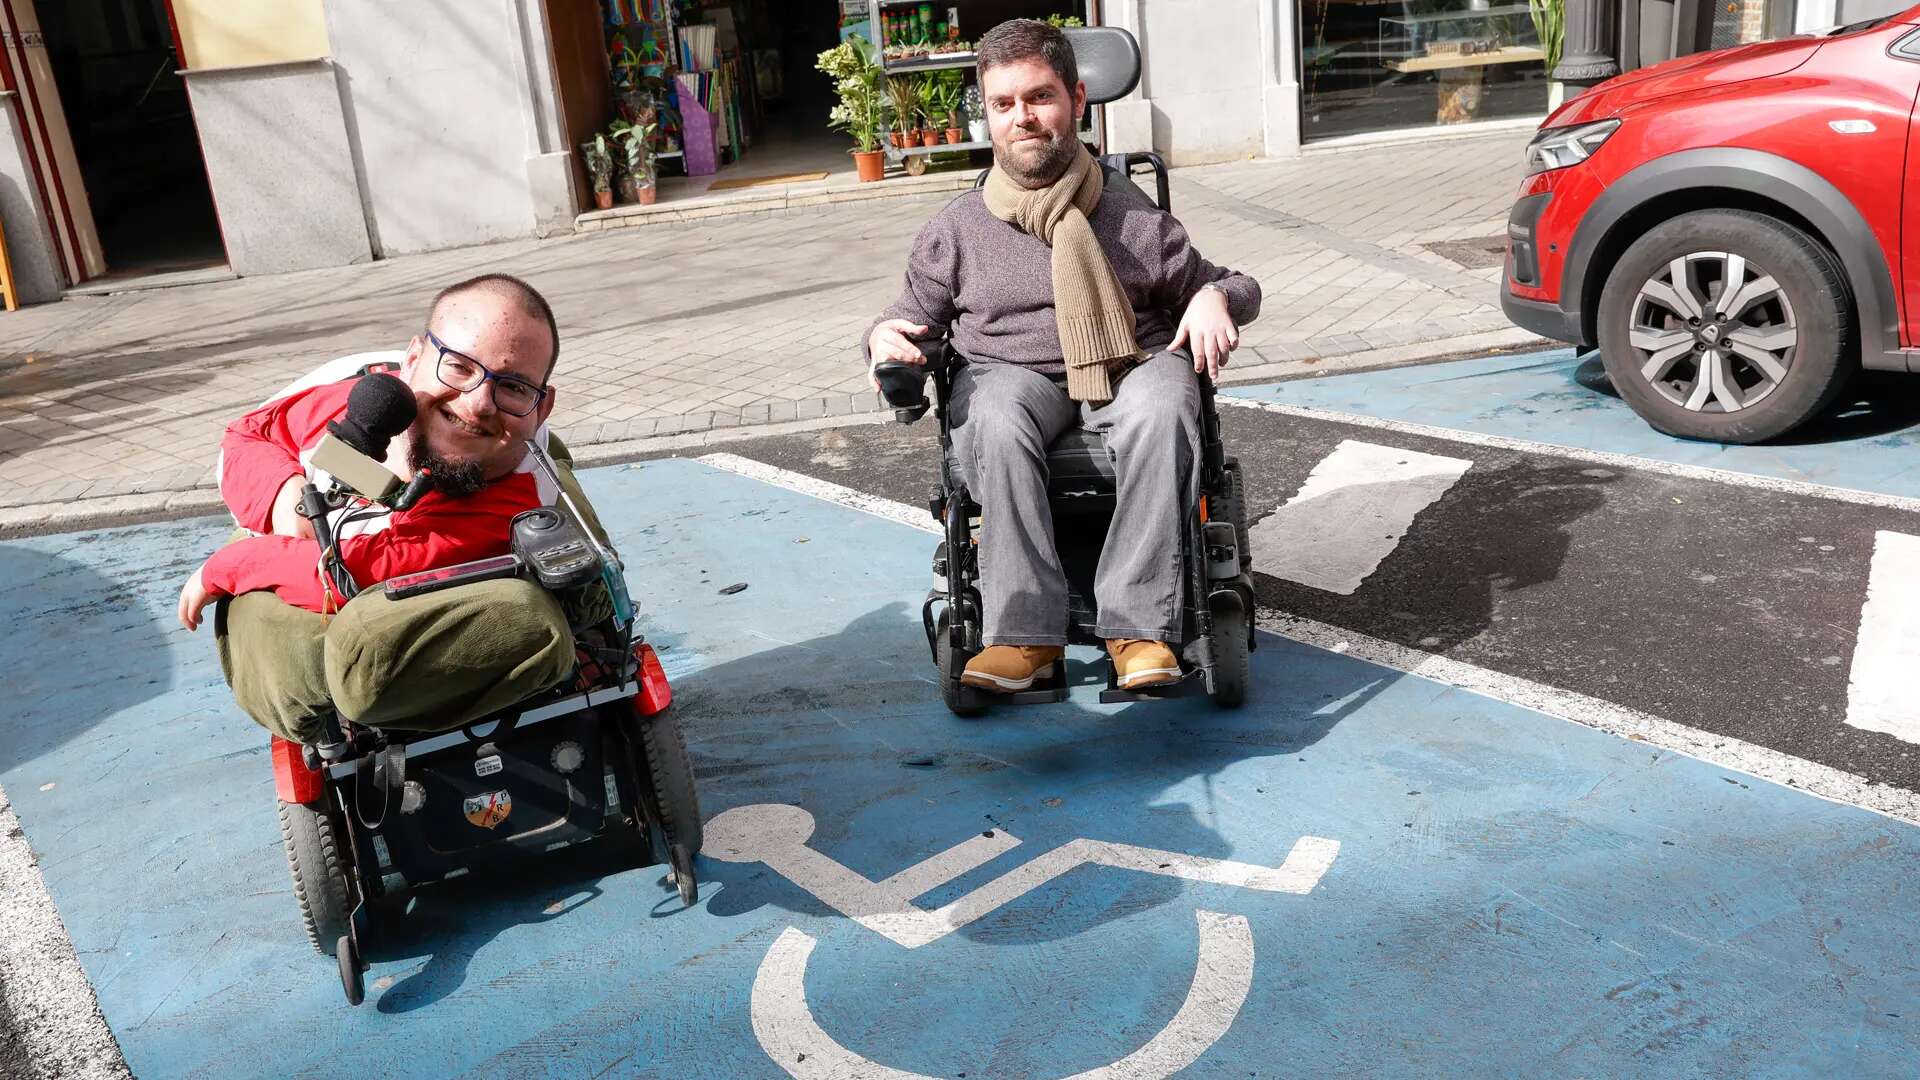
378,408
354,450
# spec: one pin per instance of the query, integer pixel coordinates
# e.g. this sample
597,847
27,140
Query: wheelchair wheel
1231,670
950,663
1233,507
678,804
318,864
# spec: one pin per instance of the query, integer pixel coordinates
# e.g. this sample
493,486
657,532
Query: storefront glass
1368,66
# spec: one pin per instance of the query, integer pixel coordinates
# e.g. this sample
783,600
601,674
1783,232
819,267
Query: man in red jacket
479,375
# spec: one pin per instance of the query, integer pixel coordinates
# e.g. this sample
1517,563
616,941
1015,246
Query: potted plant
976,114
930,125
903,91
638,176
856,78
1550,23
944,90
598,158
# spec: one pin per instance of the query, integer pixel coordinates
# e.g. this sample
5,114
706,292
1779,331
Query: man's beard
1039,170
453,477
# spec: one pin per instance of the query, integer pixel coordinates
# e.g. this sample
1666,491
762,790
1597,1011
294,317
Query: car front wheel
1727,325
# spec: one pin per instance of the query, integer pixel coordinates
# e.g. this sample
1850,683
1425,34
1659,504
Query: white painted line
1597,457
1221,978
1723,751
1882,692
1823,781
47,996
783,1020
915,516
1350,514
777,835
784,1023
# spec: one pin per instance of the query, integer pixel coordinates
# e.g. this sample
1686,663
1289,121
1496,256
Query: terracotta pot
603,198
896,139
871,164
929,137
955,135
647,195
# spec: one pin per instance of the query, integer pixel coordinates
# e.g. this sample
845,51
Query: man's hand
286,519
889,342
1209,330
194,598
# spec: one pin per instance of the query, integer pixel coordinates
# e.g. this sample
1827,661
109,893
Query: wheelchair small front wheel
1232,670
950,662
353,980
680,866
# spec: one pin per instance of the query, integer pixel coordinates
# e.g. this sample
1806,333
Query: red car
1729,228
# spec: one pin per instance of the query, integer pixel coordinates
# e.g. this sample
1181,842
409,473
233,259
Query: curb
595,445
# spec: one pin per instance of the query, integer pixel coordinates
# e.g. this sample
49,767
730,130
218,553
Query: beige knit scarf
1089,304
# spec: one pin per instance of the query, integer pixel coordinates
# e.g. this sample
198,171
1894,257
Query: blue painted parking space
1562,399
1360,872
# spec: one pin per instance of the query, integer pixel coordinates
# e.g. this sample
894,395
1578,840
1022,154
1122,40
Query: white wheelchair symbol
784,1023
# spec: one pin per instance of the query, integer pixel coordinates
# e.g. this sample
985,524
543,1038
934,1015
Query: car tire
1793,299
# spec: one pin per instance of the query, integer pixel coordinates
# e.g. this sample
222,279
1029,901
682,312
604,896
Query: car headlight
1558,148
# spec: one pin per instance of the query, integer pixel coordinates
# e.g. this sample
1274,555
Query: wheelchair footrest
1053,690
1193,682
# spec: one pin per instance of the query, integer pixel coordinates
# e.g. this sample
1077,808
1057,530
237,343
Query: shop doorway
116,70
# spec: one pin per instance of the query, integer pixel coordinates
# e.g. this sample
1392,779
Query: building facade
146,137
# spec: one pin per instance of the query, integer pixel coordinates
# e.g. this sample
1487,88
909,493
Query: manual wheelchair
369,815
1218,608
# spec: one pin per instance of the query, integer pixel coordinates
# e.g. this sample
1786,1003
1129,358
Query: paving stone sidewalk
727,321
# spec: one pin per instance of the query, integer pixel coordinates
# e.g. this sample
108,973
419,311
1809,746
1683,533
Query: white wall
443,119
1218,82
279,166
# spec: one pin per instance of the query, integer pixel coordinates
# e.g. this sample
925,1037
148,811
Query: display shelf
1512,54
962,60
909,151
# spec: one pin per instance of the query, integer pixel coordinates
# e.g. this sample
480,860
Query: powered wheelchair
1218,607
371,815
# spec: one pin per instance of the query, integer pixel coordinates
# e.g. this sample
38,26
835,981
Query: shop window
1370,66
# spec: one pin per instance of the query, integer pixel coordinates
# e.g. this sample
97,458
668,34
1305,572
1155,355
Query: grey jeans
1004,417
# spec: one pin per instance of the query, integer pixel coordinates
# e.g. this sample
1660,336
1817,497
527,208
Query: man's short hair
512,288
1028,39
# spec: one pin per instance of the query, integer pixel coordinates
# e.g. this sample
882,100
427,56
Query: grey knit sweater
991,285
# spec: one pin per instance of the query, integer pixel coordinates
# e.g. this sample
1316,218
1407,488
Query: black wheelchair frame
1218,618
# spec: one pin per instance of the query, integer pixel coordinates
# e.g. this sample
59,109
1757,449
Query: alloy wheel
1713,332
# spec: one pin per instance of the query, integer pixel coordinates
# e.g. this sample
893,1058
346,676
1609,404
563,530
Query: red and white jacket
273,442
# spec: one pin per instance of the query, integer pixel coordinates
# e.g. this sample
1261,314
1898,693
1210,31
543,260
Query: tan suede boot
1140,664
1007,668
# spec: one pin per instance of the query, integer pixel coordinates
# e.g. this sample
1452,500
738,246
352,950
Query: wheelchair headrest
1109,61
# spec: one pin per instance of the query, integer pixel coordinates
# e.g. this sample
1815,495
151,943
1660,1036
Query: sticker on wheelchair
777,836
488,809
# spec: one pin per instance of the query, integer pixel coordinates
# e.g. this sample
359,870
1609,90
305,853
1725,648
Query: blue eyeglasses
511,394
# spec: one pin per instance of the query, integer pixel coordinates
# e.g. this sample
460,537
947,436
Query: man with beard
478,373
1061,295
